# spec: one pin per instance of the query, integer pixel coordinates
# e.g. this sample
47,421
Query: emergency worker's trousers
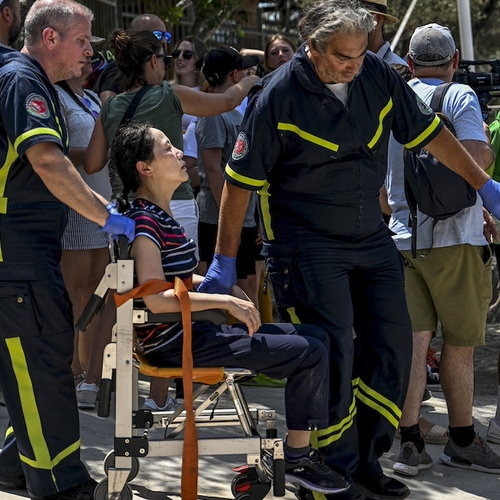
36,349
354,291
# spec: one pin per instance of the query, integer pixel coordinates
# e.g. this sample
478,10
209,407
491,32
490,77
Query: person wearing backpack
452,284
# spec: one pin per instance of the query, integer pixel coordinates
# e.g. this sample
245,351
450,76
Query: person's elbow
480,152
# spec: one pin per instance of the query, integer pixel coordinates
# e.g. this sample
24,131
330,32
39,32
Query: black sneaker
381,487
84,491
351,494
313,474
13,483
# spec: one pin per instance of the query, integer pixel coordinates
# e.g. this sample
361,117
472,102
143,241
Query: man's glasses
186,54
163,35
166,59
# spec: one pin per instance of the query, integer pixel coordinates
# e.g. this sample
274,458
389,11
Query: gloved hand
490,193
221,275
119,224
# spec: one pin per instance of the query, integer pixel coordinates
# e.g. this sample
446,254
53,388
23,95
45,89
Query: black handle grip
93,307
279,478
104,397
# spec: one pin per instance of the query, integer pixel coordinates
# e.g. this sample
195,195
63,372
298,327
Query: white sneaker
86,395
493,434
150,404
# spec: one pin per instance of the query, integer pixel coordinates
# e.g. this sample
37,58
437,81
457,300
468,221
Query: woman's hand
244,310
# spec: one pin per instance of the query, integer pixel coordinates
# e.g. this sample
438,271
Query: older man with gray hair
314,144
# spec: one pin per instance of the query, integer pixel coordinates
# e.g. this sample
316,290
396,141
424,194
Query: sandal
79,378
437,435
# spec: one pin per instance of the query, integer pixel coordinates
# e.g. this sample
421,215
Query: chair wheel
109,463
248,486
101,492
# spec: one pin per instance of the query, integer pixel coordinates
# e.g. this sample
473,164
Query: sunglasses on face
163,35
186,54
166,59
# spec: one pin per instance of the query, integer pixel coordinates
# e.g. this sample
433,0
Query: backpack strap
438,96
133,105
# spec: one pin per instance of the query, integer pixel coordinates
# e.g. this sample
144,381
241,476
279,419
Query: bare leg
158,390
298,439
418,379
456,371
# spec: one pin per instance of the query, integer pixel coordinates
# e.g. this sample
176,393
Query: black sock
295,454
414,435
463,436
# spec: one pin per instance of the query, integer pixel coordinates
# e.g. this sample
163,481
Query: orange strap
189,479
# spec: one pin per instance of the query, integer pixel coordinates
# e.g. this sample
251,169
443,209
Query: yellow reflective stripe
380,127
426,133
379,403
30,412
56,116
9,431
264,210
293,316
244,180
35,131
335,432
318,496
307,136
10,158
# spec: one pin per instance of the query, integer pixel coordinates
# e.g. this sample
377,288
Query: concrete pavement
159,479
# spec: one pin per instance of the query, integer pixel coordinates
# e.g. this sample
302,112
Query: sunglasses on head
166,59
186,54
163,35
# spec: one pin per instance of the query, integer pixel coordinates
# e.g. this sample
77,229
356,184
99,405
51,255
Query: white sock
497,414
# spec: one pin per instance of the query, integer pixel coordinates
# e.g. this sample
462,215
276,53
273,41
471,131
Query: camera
482,83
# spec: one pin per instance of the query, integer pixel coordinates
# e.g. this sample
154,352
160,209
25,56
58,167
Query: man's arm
233,207
448,150
65,183
480,152
221,275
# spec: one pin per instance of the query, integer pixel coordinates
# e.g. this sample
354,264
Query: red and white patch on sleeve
36,105
240,149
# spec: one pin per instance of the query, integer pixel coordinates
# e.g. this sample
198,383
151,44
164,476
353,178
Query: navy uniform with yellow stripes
36,326
318,166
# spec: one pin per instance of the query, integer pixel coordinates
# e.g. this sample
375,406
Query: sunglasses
166,59
186,54
163,35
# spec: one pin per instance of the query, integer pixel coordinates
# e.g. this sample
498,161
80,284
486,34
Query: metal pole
465,27
402,26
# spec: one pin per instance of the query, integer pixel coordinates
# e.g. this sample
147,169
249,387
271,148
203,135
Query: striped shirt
177,258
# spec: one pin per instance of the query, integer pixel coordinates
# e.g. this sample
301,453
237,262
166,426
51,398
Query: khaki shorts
452,285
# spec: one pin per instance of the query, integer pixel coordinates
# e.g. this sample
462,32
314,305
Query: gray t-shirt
218,132
462,108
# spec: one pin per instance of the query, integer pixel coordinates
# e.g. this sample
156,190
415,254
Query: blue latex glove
490,193
119,224
221,275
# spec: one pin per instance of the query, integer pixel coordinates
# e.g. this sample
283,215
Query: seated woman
151,167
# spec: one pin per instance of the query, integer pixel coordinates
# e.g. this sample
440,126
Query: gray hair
327,18
58,14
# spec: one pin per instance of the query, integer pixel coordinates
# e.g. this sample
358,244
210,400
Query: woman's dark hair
131,143
132,50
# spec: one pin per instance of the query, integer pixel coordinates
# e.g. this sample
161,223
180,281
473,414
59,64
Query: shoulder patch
424,108
240,149
36,105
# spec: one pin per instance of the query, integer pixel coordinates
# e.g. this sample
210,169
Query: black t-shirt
109,79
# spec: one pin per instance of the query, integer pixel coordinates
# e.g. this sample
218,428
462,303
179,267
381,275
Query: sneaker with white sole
150,404
493,433
477,456
410,461
86,395
312,473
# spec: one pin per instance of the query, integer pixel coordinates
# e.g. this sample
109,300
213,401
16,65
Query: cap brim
249,61
96,39
388,18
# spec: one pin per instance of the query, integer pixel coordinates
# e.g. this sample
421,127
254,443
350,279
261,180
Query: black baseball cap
221,61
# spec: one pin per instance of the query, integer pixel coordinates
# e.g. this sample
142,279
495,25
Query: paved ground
158,479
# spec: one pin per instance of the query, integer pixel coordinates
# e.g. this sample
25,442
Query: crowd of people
211,172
